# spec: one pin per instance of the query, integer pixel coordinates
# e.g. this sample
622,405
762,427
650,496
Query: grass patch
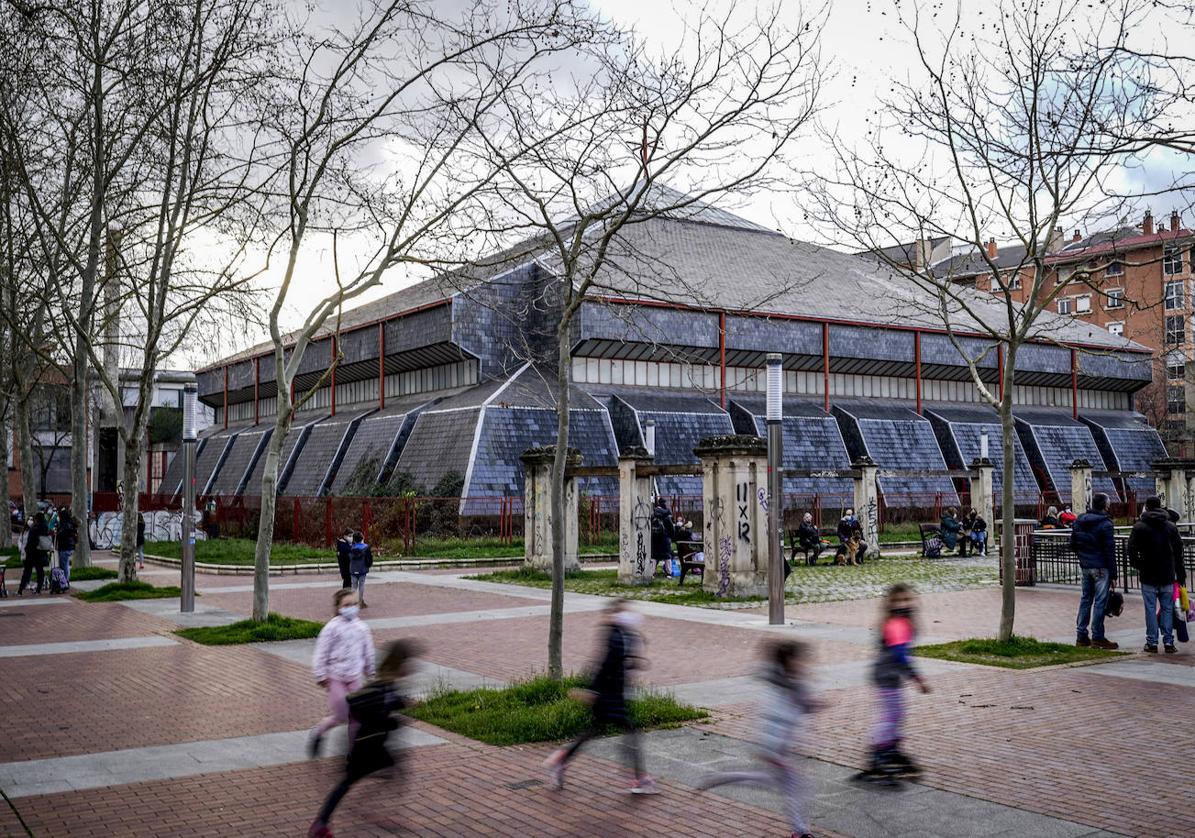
1017,653
275,627
118,591
538,710
605,583
83,574
239,551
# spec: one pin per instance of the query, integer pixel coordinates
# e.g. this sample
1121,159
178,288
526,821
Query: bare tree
1009,130
407,82
714,116
153,142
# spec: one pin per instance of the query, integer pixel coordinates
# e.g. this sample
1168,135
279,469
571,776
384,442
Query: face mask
902,612
349,612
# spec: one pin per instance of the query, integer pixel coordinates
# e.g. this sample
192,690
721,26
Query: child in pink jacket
344,659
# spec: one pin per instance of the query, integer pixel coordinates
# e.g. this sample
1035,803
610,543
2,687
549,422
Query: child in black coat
373,707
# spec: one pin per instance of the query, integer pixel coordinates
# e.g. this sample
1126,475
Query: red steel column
1074,384
226,396
722,353
334,356
381,365
917,364
826,363
256,389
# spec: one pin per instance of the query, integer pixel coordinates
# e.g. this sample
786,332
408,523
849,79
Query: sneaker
313,745
644,785
1171,649
1082,641
364,604
1105,644
1152,648
554,765
319,829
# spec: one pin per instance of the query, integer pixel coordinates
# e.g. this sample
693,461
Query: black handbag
1115,604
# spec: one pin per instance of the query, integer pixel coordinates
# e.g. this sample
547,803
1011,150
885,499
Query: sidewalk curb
314,568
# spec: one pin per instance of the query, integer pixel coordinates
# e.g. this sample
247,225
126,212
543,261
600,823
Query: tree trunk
269,503
25,444
132,496
556,618
6,527
79,490
1008,511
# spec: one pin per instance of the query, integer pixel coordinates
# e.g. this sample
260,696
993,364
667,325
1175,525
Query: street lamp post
775,491
187,600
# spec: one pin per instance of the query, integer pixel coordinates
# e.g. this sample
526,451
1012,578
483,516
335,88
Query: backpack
933,547
657,524
58,583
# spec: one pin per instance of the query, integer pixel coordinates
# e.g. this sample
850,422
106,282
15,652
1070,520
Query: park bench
685,551
823,533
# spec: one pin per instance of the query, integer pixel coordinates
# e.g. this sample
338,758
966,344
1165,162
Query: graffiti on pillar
640,555
873,519
1087,492
713,518
641,521
725,546
763,499
743,496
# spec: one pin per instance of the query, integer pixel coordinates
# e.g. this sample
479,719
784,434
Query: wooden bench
925,531
685,550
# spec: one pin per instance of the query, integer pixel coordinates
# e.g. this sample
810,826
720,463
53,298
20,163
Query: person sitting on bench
809,539
851,548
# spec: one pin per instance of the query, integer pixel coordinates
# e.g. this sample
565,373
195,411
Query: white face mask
349,611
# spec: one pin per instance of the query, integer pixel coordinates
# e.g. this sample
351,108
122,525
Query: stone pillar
1174,486
634,518
734,494
537,509
1080,486
867,503
983,499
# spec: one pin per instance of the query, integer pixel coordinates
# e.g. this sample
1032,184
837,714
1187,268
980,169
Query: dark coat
610,680
68,534
141,533
662,533
950,529
343,546
1093,540
360,558
849,528
33,553
1156,549
373,708
807,536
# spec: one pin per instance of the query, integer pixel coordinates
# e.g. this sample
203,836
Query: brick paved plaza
210,740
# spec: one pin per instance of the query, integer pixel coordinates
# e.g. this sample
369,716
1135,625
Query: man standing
1092,539
1156,551
662,533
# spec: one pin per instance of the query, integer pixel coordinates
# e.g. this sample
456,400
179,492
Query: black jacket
808,536
848,528
343,548
373,707
1093,540
141,533
68,534
610,680
662,533
1156,549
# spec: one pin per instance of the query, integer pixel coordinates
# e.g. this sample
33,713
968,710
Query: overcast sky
866,48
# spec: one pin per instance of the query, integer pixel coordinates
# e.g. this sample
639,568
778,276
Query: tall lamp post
187,600
775,491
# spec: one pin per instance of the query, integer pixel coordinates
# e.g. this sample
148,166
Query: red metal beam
917,364
1074,384
381,364
826,362
334,357
722,353
256,389
226,396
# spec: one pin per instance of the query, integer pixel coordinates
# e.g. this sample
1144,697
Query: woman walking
38,546
344,659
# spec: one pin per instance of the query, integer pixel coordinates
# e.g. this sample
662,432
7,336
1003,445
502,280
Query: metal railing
1053,561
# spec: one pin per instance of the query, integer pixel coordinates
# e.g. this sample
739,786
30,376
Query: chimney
1175,221
1076,236
992,248
1055,241
1147,224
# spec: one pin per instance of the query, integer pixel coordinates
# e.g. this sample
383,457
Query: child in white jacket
344,660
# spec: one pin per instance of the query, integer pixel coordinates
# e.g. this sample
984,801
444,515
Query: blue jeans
64,562
1153,596
1093,602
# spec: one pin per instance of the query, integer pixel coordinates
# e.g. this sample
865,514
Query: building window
1176,367
1174,295
1065,274
1114,269
1064,305
1172,261
1083,304
1175,400
1175,326
1116,329
1115,298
